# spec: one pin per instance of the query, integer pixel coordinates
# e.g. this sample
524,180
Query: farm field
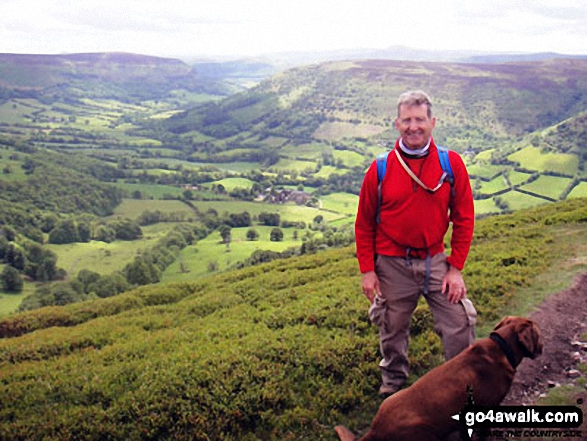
495,185
105,258
195,260
550,186
348,158
11,165
580,191
532,158
517,178
483,170
133,208
97,117
518,201
151,191
9,301
485,206
289,211
344,203
231,183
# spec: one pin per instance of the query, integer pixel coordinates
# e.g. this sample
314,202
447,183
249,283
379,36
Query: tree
11,279
44,268
188,195
225,234
237,220
87,278
127,229
15,257
105,233
270,219
107,286
252,234
141,272
65,231
84,231
276,235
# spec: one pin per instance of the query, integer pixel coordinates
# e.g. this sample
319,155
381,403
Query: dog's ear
505,321
529,336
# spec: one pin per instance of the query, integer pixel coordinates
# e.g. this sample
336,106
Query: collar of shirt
420,152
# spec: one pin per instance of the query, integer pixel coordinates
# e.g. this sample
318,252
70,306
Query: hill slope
116,75
279,351
478,105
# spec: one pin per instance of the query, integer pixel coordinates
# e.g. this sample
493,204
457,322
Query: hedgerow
282,350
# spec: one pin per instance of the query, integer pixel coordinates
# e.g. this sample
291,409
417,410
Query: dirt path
562,319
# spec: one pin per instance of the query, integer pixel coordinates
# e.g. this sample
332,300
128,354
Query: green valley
105,157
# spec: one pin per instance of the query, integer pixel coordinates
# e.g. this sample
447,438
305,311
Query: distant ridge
398,53
91,57
105,74
509,58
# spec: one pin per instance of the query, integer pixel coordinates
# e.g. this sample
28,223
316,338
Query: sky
248,28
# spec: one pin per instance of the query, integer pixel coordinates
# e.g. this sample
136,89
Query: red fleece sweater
410,215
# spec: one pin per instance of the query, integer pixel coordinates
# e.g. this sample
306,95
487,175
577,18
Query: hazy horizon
255,28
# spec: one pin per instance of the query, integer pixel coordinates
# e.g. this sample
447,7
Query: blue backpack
382,168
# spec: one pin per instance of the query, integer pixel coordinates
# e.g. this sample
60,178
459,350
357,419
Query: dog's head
522,330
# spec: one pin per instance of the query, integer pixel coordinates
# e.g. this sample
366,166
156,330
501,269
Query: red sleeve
365,224
462,213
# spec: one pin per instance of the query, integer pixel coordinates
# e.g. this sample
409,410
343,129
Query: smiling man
401,222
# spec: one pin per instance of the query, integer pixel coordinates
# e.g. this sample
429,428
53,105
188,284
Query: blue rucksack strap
381,170
446,167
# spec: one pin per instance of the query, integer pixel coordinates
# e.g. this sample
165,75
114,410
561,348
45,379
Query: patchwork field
133,208
532,158
549,186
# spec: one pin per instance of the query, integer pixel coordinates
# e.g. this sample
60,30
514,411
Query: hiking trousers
403,281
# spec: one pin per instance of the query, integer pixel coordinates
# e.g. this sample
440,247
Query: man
400,242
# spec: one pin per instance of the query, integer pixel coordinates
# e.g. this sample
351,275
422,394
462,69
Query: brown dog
423,411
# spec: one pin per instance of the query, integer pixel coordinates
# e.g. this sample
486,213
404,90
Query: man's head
414,119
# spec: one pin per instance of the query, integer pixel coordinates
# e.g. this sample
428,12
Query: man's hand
453,285
370,285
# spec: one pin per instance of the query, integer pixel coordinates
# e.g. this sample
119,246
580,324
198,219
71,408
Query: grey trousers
402,283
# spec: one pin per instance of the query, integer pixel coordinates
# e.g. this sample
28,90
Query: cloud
247,27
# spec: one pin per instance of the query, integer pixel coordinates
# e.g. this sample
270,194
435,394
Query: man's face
414,126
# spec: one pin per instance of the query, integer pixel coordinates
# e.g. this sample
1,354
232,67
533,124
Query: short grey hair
415,98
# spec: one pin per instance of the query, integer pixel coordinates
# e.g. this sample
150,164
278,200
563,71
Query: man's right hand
370,285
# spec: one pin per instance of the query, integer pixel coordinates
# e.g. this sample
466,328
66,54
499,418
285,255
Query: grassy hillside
479,106
278,351
107,75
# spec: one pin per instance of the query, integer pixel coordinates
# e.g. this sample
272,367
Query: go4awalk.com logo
522,421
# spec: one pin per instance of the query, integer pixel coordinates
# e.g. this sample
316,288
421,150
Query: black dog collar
505,347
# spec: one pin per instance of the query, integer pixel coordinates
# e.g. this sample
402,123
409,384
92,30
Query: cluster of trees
77,192
71,231
146,268
25,258
148,217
